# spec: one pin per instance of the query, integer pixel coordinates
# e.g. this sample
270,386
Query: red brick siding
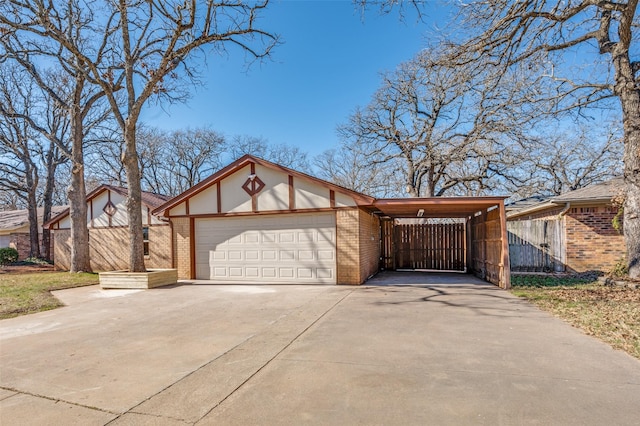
357,245
182,247
369,245
348,246
22,243
592,242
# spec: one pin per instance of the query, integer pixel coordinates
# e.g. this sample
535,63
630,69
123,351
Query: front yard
611,313
30,292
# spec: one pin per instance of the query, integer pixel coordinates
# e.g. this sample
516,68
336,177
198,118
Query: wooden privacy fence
486,242
424,246
537,245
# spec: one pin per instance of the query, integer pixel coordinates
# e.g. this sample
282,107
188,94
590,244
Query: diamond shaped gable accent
110,208
253,185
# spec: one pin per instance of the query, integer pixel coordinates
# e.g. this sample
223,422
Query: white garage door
277,249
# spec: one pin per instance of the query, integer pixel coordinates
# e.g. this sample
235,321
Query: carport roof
436,206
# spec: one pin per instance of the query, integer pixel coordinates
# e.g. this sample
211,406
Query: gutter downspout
564,211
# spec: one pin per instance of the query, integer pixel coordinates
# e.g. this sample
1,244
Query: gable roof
15,219
596,193
148,199
525,202
603,191
361,199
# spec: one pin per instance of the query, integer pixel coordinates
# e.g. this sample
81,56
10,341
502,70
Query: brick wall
369,244
592,242
109,248
348,246
357,245
182,247
21,242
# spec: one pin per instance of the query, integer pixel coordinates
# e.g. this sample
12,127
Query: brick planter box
150,279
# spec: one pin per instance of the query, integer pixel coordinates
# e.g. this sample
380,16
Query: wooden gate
439,246
536,245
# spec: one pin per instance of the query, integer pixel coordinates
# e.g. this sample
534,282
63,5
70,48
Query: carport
470,235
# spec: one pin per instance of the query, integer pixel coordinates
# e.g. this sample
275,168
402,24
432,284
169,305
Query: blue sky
329,64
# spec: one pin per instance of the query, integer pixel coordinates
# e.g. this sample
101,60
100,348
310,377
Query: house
14,229
258,222
572,232
107,221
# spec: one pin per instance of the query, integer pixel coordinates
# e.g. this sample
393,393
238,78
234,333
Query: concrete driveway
432,349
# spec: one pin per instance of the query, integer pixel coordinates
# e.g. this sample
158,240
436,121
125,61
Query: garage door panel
305,255
325,273
269,255
252,237
287,237
271,249
305,273
325,255
286,255
326,237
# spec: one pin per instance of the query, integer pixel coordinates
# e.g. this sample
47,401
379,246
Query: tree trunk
32,207
47,200
411,189
77,193
629,95
134,202
631,223
34,234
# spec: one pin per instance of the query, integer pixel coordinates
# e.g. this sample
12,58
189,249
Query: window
145,239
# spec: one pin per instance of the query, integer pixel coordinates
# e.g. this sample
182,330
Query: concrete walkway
431,349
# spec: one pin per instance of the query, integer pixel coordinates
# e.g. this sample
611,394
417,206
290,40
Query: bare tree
173,162
67,88
39,128
552,164
353,169
446,124
283,154
170,162
10,201
19,170
141,48
539,31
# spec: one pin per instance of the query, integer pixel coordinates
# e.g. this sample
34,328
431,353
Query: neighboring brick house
107,220
258,222
14,229
572,232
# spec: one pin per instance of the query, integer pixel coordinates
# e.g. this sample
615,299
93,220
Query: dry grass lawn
612,314
26,293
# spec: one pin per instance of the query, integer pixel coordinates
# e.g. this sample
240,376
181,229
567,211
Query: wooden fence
537,245
486,246
424,246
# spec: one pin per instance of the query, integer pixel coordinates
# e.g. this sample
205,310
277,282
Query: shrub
620,269
8,255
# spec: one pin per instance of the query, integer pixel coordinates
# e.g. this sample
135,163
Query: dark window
145,238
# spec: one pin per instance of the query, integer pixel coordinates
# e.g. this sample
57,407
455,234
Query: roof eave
361,199
533,209
592,200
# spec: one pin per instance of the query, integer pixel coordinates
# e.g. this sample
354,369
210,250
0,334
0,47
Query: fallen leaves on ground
611,314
